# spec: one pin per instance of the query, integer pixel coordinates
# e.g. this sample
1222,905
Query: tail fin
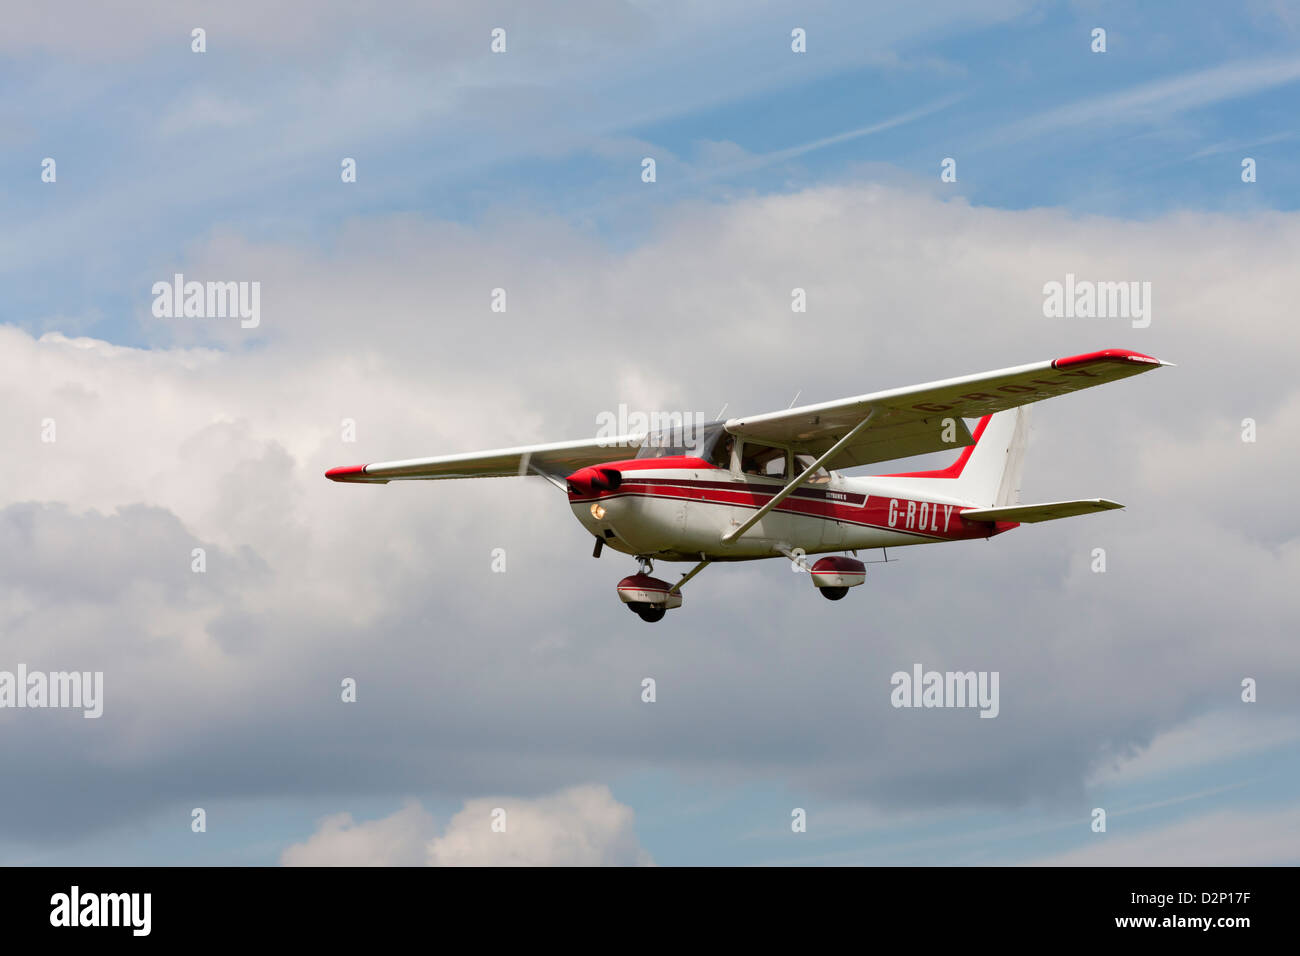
1012,464
988,472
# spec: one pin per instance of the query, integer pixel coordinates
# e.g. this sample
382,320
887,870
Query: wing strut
527,465
788,490
794,556
689,574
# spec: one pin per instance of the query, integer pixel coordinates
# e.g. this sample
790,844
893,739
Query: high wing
1047,511
905,422
553,461
909,421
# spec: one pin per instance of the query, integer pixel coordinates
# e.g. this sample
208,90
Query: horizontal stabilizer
1048,511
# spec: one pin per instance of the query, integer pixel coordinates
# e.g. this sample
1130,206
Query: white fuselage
680,509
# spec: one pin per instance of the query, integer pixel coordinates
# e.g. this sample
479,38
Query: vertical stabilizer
987,474
991,476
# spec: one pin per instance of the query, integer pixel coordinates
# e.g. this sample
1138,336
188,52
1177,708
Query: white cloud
578,826
581,826
394,840
1224,838
1205,739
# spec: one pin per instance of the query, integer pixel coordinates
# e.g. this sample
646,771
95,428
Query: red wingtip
345,472
1106,355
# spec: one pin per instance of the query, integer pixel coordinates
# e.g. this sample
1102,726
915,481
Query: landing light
597,511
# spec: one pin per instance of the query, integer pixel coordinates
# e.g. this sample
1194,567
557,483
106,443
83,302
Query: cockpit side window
764,460
819,477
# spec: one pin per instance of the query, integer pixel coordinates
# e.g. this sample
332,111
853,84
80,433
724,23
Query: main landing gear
834,575
648,597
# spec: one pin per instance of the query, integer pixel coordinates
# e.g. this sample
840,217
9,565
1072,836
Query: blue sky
170,161
169,148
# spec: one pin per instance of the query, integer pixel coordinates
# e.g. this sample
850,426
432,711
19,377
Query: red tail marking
953,470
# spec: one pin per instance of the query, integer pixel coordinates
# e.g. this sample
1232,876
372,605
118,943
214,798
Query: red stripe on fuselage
938,520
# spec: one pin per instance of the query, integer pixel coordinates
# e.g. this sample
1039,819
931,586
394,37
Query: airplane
767,486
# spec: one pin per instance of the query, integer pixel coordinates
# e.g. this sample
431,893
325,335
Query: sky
129,439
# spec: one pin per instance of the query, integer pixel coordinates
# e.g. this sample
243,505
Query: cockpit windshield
697,441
